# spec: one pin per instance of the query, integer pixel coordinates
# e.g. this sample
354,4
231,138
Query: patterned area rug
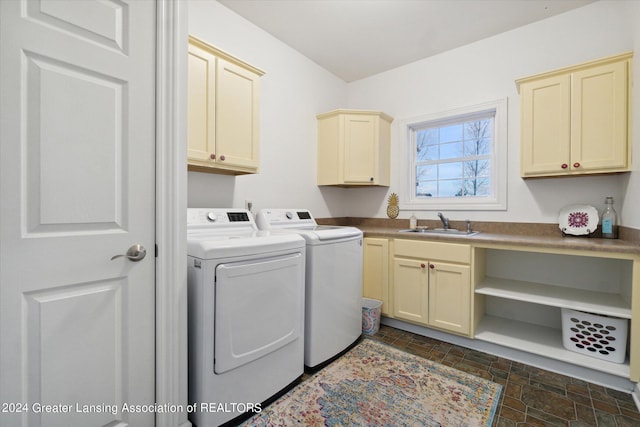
377,385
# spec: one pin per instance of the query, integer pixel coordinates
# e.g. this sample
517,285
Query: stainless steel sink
447,231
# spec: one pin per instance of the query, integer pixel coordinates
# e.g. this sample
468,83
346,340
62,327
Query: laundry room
289,170
319,212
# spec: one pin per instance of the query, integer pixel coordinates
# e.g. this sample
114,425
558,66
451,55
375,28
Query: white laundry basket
371,309
598,336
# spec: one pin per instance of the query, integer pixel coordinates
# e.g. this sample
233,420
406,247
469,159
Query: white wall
486,71
294,90
631,208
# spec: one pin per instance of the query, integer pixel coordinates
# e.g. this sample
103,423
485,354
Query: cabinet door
410,290
201,89
237,116
375,273
450,297
360,149
546,126
599,110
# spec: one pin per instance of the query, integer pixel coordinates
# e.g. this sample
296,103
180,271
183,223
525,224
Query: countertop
543,236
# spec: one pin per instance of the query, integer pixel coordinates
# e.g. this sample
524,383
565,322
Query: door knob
134,253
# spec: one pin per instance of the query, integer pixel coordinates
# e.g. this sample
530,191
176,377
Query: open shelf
543,341
607,304
519,296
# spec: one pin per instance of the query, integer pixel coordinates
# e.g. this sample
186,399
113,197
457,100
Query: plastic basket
371,309
595,335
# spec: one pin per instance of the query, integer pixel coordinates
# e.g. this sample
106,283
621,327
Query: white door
76,188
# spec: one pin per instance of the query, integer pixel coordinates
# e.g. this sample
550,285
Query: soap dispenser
609,220
413,222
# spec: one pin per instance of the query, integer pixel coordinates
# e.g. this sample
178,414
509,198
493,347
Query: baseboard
564,368
636,395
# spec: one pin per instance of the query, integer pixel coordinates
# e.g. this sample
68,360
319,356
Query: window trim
498,198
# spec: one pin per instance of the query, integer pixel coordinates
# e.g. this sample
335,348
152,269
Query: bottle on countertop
413,222
609,220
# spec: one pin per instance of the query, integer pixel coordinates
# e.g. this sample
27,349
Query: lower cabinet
410,290
513,296
450,297
375,273
431,284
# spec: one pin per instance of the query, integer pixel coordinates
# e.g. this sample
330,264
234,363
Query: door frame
171,210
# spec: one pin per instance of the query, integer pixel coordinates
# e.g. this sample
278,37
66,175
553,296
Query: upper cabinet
224,112
576,120
353,148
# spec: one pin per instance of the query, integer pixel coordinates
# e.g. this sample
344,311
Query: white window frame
497,200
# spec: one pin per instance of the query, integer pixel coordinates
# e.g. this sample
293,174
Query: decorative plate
578,220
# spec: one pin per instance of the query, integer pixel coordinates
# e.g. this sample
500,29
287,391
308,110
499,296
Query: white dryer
246,313
333,309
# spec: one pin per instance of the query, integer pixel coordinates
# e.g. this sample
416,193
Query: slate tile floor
530,396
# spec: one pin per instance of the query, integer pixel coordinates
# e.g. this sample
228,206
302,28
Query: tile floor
531,396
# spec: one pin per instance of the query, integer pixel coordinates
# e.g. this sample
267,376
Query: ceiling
355,39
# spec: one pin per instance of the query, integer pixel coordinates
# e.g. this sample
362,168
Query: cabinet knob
212,156
564,166
423,265
576,165
371,179
431,266
222,158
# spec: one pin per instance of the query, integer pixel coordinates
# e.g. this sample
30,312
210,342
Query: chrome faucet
445,221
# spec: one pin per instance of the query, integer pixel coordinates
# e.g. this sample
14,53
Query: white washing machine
333,309
246,313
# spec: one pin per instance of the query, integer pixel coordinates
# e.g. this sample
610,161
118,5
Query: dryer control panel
219,218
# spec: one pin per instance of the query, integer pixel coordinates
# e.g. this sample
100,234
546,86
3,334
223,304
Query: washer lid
327,232
301,221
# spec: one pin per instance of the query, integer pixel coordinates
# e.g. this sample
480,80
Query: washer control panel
275,218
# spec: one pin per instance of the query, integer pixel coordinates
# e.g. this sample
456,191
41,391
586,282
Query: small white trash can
371,309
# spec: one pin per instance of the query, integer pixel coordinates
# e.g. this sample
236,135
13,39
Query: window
457,159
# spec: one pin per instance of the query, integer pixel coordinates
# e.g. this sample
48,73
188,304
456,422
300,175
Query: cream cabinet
224,112
410,290
432,284
375,273
449,296
576,120
353,148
